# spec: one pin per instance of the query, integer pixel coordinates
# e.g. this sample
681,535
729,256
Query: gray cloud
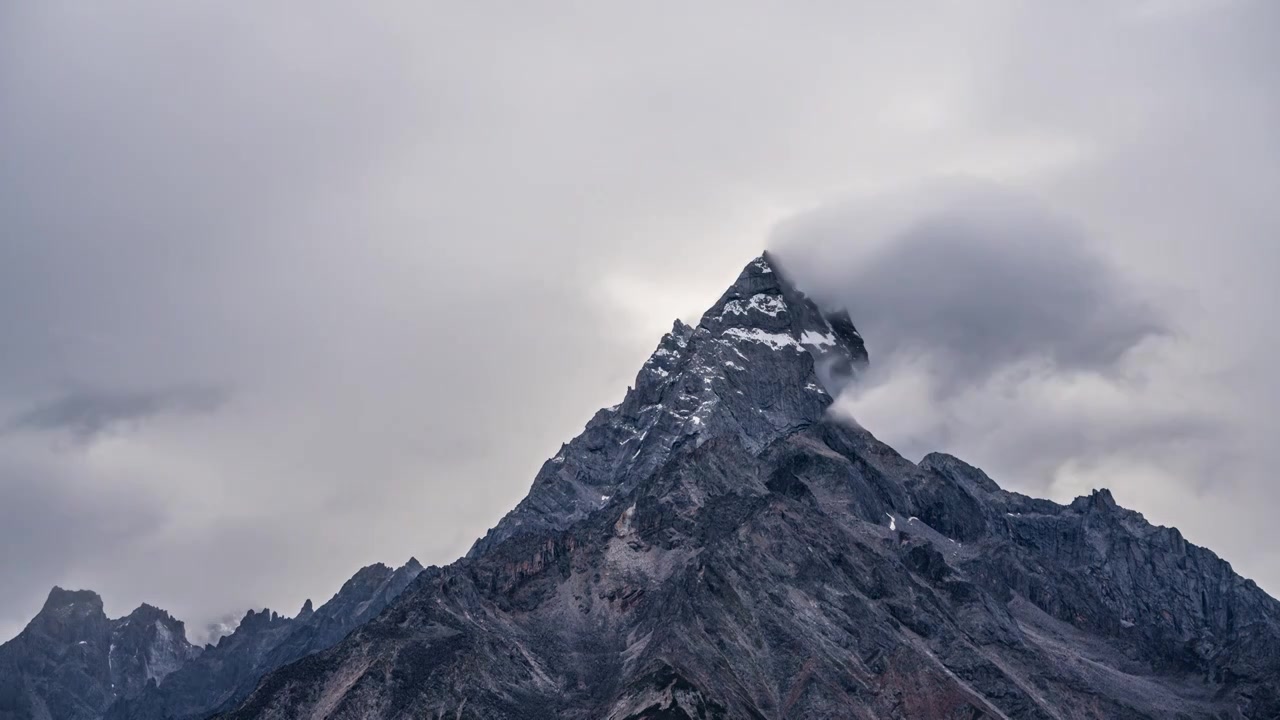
969,278
424,244
86,413
965,289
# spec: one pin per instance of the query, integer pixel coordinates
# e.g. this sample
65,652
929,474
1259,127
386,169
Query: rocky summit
718,545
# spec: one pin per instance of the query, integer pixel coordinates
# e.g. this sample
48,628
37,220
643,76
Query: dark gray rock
717,546
71,661
224,674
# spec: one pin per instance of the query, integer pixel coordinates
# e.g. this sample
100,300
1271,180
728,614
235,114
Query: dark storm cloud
969,278
87,413
967,289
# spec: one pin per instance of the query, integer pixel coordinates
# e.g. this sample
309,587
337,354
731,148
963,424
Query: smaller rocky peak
1098,500
255,622
403,575
148,622
953,468
146,646
306,612
77,601
146,613
362,585
671,347
400,579
71,616
356,594
369,574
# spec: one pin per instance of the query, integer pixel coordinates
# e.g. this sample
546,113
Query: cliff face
716,546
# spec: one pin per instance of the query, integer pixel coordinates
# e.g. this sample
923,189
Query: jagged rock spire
763,361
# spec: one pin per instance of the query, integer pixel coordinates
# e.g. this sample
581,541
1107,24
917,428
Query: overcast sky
287,291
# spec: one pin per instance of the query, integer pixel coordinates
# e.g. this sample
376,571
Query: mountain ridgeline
73,663
718,545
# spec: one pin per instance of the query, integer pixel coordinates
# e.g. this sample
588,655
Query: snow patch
765,303
777,341
817,340
893,525
770,305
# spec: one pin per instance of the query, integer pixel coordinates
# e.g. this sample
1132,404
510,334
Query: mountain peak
148,613
763,305
762,361
60,599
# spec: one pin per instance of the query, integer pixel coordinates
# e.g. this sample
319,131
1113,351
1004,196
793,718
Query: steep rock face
72,661
224,674
715,546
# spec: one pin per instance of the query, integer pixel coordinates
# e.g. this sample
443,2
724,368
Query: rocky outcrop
717,546
72,661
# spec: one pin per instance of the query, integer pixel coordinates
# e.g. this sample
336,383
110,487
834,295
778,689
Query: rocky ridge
72,662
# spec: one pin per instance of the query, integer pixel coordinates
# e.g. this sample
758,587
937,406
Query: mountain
71,662
719,546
